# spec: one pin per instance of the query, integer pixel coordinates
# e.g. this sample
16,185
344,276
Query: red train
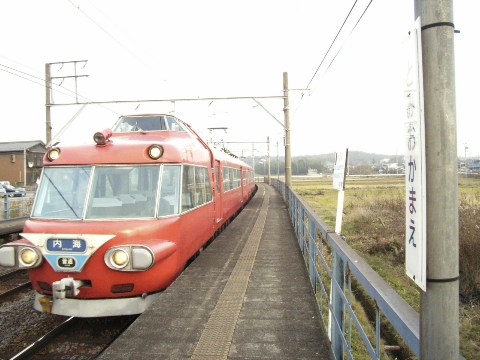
115,222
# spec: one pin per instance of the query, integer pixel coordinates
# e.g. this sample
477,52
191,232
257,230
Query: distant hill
323,163
355,158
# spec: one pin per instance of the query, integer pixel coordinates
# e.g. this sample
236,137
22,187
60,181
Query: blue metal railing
333,267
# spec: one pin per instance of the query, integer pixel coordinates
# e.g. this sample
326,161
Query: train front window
108,192
123,192
62,193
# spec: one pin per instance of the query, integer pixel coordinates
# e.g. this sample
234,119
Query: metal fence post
337,322
313,254
301,235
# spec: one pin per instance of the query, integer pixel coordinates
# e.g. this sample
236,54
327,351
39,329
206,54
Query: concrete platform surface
247,296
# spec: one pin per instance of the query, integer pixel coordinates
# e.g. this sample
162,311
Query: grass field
374,225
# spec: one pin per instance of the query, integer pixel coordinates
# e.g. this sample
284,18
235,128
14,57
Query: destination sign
67,245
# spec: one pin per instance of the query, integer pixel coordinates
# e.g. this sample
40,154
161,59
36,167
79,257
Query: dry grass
469,248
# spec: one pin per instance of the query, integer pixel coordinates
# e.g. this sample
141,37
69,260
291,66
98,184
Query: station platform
247,296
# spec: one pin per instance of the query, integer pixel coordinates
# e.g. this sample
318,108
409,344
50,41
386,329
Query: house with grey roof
21,162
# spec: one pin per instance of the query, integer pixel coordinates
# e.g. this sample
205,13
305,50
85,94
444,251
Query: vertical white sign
340,169
339,172
415,173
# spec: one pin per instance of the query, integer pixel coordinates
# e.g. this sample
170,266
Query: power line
331,45
66,92
132,53
336,36
20,76
341,47
16,72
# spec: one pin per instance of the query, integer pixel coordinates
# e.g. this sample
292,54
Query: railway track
28,334
6,238
12,282
76,338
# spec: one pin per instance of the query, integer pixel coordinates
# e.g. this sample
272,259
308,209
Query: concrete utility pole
439,316
48,91
286,112
48,119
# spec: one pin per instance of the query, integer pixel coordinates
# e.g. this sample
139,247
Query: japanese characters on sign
415,189
340,170
66,245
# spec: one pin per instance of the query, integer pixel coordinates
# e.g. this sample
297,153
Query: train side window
199,186
217,178
188,188
202,182
232,178
237,178
170,190
208,186
226,178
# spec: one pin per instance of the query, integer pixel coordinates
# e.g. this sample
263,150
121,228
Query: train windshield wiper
61,195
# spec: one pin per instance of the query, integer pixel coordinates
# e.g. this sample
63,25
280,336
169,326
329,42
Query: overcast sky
138,50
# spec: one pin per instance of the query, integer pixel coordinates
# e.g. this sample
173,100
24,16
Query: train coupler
67,287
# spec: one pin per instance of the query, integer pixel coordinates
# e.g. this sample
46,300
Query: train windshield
62,193
108,192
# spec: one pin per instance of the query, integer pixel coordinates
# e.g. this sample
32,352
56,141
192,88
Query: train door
218,192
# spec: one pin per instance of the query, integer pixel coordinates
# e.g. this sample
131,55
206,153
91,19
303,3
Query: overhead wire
331,45
16,72
2,68
351,31
121,44
63,90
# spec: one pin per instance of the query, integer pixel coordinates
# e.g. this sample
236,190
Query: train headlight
101,137
129,258
29,257
155,152
53,154
119,258
20,256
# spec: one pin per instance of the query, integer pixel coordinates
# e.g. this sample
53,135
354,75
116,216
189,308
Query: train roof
132,136
227,158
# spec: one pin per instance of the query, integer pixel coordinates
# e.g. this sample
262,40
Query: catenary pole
286,112
48,119
439,313
268,156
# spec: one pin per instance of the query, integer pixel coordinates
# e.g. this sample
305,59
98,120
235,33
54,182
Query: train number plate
67,245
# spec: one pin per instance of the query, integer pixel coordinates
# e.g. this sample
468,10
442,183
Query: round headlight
119,258
28,257
53,154
155,151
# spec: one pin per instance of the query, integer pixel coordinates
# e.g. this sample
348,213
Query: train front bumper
93,307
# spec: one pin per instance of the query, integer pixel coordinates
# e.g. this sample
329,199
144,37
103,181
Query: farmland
374,225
